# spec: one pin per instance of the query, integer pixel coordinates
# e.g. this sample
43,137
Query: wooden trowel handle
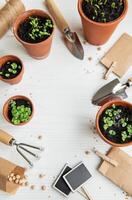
5,137
57,15
130,81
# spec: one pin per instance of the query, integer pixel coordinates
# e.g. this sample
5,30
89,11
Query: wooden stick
106,158
112,66
82,194
86,193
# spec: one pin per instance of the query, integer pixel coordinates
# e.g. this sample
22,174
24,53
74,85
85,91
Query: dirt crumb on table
90,58
26,184
87,152
99,48
84,42
32,187
42,175
40,137
43,187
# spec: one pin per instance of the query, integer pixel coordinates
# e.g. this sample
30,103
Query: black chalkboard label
77,177
60,185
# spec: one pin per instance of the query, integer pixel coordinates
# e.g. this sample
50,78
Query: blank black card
77,177
60,185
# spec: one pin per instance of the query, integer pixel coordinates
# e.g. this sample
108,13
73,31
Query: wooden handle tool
130,81
113,64
57,15
106,158
5,137
84,189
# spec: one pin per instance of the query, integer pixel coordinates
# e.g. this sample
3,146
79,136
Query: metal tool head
73,43
22,147
111,90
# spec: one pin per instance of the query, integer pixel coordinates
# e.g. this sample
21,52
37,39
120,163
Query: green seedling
113,119
103,10
20,114
12,69
112,132
39,31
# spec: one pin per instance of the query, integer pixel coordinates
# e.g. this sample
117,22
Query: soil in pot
10,69
19,111
35,29
116,124
103,10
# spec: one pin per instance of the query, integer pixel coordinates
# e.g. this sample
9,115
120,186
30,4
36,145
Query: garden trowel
113,89
71,39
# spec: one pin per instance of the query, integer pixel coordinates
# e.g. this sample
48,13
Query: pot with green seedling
18,110
34,29
114,123
100,18
11,69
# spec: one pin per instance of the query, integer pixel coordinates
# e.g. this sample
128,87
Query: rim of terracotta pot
28,13
101,23
106,105
15,58
6,104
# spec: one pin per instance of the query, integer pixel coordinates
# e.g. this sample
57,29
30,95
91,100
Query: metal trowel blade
105,92
74,45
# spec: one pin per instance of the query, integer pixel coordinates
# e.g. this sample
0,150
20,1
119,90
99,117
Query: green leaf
7,75
105,127
112,132
113,5
14,65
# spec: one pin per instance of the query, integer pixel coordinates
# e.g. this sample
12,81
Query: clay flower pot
38,50
104,107
6,108
97,33
16,79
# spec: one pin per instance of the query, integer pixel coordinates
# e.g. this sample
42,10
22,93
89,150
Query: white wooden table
61,88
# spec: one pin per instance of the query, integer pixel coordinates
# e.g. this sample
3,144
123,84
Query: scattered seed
21,181
16,181
14,178
18,176
32,187
41,175
12,174
26,183
98,48
87,152
10,179
89,58
40,137
43,187
84,41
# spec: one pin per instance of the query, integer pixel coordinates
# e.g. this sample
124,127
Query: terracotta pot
6,106
104,107
16,79
97,33
36,50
